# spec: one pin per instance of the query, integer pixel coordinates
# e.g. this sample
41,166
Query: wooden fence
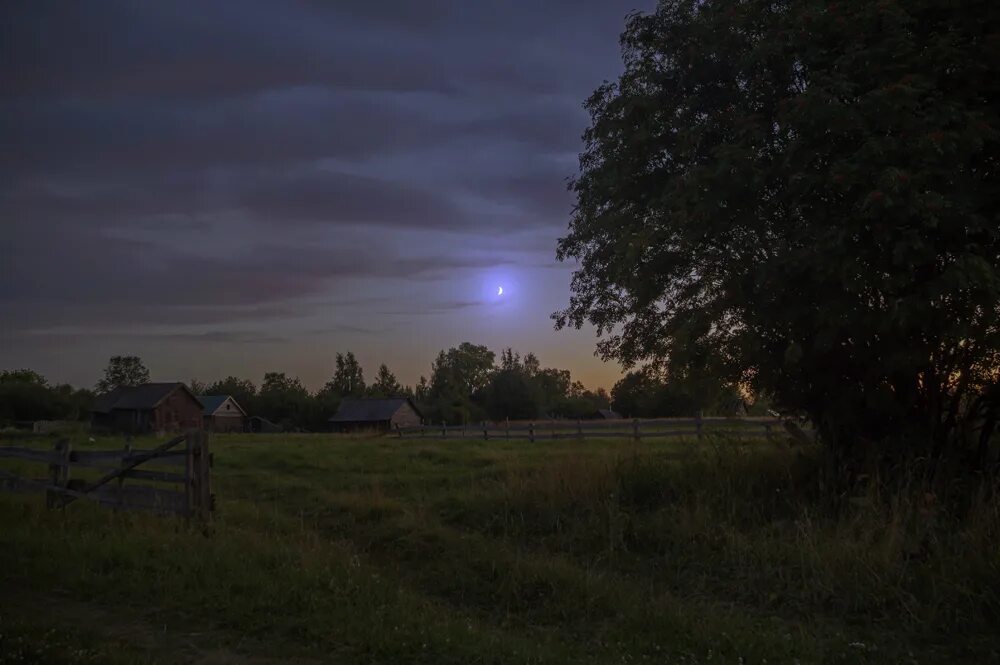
695,428
175,478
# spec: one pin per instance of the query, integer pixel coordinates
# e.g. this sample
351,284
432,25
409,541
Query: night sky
231,188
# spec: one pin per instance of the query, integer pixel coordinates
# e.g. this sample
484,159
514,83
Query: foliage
197,387
386,384
579,402
652,393
25,395
122,371
284,400
22,376
457,376
805,196
465,387
423,389
513,391
348,378
241,390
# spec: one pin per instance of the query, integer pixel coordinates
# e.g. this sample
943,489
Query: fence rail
188,495
637,429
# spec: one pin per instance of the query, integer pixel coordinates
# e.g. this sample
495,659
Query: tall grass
376,550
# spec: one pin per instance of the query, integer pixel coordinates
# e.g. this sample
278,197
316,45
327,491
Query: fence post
190,482
531,432
399,431
204,478
58,474
486,432
579,429
767,431
444,430
507,427
698,424
635,429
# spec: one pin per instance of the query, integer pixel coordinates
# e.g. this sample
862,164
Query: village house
150,407
222,413
375,414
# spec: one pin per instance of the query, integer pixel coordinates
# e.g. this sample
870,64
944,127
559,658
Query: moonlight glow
499,290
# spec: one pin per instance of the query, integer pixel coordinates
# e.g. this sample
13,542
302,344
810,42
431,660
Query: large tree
123,371
284,400
348,378
512,391
802,197
386,384
458,375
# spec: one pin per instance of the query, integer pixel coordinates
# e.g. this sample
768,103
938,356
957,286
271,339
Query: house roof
104,403
369,410
608,414
145,396
213,403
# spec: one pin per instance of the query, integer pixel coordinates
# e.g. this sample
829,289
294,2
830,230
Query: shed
606,414
150,407
375,414
222,413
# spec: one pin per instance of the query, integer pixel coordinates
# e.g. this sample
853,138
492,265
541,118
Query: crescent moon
499,290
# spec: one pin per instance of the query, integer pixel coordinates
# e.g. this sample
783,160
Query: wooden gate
183,461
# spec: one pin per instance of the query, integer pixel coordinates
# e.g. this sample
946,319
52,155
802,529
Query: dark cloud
432,308
210,49
221,169
188,49
344,198
101,270
211,337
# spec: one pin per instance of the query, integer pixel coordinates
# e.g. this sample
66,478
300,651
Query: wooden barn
222,413
375,414
605,414
150,407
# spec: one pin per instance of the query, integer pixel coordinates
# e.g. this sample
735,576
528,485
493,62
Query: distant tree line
27,396
467,384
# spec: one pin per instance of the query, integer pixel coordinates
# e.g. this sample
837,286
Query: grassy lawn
381,550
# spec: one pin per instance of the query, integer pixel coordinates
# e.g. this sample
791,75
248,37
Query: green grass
371,550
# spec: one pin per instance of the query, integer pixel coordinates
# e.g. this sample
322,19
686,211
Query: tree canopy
386,384
26,395
123,371
801,197
348,377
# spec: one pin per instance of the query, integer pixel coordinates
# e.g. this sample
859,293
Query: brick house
150,407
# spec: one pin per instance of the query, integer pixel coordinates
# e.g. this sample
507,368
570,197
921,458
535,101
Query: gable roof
213,403
145,396
370,410
608,414
104,403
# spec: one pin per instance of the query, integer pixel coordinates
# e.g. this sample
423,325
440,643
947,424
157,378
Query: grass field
355,550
